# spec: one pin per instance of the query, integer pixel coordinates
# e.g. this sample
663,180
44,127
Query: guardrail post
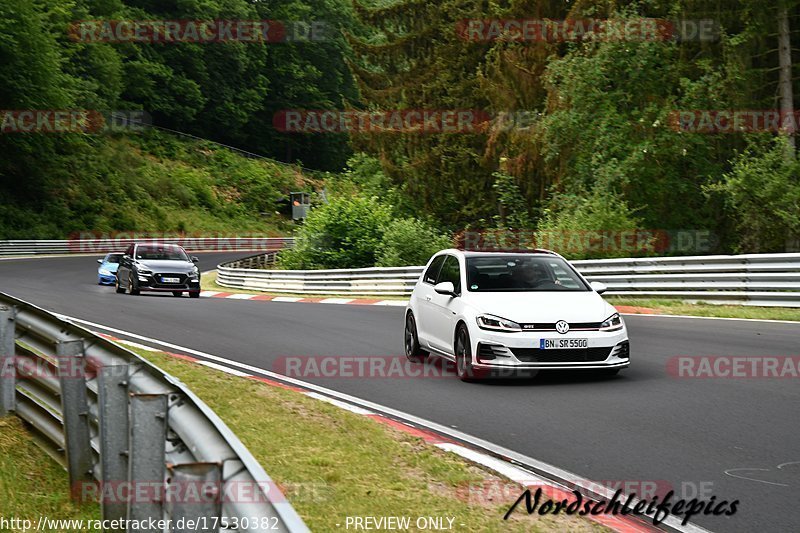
112,408
147,450
8,368
75,410
196,504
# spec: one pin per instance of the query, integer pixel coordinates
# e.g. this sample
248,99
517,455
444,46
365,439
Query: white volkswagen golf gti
498,314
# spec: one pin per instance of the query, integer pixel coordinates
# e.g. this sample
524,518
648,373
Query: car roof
475,253
159,244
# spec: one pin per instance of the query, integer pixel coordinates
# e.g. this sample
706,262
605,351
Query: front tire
411,341
132,289
177,294
194,294
463,352
119,289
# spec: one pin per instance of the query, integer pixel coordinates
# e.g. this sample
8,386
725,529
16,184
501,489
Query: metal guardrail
117,423
752,279
359,281
756,279
97,246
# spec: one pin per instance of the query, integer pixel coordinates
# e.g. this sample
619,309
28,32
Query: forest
554,116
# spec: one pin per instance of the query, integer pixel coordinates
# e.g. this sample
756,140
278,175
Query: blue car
107,271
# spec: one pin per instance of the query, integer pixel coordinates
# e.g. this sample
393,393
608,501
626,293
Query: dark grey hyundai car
158,268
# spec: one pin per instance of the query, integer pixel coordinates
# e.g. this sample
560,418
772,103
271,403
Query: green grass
157,183
676,307
31,483
337,464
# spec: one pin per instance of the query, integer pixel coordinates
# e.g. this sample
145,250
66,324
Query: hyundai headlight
612,323
495,323
143,271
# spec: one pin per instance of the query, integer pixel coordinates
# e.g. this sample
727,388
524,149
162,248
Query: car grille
159,283
581,355
551,326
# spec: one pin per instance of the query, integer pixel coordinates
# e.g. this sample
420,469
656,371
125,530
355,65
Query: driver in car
530,275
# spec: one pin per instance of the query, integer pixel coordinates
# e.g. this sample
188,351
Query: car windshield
521,273
113,258
167,253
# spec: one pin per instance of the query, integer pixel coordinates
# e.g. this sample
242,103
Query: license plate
170,280
563,344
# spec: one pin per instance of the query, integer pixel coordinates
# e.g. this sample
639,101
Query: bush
591,227
410,242
345,233
762,193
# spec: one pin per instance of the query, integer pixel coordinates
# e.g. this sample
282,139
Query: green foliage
598,120
589,226
354,230
513,207
186,186
364,176
762,193
344,233
410,242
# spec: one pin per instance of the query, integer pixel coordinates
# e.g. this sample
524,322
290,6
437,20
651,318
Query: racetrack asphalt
643,426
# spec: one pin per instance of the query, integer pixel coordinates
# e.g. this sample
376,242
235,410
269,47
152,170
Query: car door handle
428,298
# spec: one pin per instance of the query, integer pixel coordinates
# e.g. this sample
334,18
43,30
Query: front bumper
107,279
521,351
155,283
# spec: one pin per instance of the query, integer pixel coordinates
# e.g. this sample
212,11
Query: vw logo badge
562,327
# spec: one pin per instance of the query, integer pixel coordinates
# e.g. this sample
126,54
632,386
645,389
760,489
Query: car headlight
144,271
495,323
194,274
612,323
105,272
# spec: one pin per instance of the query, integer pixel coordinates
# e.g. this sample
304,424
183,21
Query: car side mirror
445,287
100,261
195,259
598,287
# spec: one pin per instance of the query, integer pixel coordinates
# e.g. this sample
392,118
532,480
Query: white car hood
532,307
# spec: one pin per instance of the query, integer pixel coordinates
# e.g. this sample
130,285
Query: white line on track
795,322
343,405
206,294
